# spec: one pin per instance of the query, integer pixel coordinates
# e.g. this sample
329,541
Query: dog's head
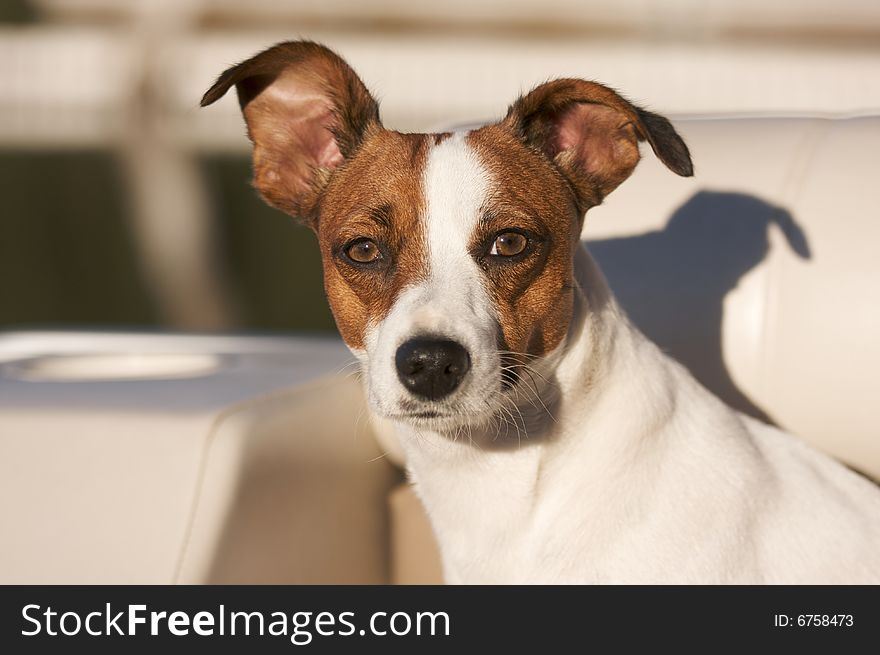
447,257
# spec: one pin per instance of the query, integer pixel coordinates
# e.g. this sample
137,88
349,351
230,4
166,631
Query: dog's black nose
431,368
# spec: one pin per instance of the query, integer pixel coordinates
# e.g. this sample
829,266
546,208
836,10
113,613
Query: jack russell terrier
548,439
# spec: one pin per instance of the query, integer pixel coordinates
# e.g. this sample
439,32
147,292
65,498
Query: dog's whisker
494,417
531,369
514,353
533,389
348,365
537,395
528,398
377,458
508,418
522,421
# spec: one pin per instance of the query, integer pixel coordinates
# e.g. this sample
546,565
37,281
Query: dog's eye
363,251
509,244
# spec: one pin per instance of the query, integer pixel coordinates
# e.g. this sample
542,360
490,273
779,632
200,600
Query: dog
548,439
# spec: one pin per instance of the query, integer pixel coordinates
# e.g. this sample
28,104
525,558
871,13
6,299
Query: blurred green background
66,258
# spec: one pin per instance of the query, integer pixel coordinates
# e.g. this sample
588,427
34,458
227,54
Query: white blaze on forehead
456,187
453,301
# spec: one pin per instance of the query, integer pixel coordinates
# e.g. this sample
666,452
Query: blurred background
122,205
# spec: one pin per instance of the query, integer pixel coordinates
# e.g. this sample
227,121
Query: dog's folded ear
591,134
306,112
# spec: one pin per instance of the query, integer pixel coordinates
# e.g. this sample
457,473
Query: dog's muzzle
431,368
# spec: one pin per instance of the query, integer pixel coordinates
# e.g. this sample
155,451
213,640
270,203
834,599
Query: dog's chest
494,513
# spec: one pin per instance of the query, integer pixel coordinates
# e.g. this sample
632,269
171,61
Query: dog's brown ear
591,134
306,112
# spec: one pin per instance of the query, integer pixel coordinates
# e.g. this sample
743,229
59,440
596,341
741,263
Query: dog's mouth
445,416
472,411
436,420
420,416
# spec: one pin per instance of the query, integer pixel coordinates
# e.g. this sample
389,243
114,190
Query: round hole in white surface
84,368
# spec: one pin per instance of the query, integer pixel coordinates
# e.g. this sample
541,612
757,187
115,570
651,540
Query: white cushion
761,272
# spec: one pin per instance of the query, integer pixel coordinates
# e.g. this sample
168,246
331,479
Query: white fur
640,475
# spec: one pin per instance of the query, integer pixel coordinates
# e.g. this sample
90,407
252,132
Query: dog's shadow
672,282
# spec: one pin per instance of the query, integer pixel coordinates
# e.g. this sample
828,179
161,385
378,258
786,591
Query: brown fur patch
306,110
379,195
533,297
591,134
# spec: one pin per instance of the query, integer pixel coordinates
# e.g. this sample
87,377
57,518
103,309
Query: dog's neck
478,486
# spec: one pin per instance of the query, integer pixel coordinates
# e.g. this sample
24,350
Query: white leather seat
157,459
760,272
